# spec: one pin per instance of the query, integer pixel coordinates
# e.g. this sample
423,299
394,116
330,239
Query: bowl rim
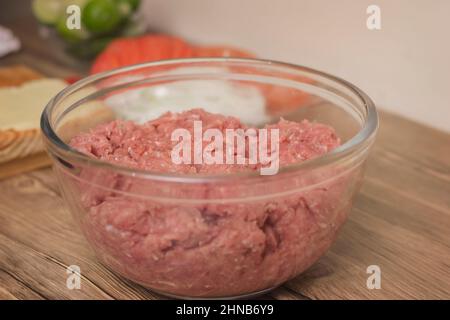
358,143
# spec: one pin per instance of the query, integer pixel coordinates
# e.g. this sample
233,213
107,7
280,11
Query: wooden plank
14,289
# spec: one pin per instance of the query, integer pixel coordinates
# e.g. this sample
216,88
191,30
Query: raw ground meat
209,239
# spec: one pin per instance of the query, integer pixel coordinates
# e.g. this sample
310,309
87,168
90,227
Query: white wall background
404,67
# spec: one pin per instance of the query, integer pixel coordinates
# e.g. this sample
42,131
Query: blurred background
404,66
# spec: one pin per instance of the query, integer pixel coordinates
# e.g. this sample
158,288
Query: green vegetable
70,35
48,11
79,3
127,7
101,16
90,48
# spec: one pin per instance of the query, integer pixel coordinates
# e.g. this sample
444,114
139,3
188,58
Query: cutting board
30,163
400,222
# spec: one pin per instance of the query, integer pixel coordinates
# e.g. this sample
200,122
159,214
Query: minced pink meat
207,248
148,146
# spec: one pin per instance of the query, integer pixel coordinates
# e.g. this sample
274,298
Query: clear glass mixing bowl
211,236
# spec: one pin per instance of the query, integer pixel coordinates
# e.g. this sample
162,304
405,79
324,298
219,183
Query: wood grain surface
400,220
29,163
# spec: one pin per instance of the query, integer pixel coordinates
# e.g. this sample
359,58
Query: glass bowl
211,236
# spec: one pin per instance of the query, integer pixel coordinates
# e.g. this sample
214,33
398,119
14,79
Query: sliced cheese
21,107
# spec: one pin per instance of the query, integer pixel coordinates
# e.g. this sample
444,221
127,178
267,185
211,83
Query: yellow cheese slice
21,107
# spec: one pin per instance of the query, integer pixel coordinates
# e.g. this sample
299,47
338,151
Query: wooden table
400,220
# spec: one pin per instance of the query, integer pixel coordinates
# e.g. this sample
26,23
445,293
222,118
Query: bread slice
21,106
23,95
17,75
